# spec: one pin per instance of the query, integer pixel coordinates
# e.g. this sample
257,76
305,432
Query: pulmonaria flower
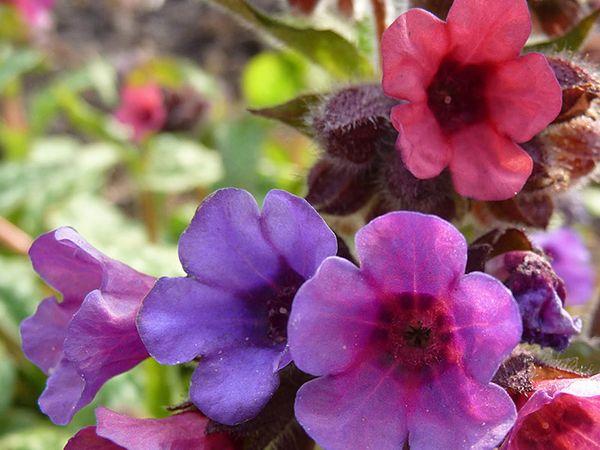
117,431
90,336
244,267
571,260
561,414
540,294
470,96
404,346
143,109
36,13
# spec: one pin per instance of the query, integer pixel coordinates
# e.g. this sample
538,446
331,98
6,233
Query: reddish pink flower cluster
143,109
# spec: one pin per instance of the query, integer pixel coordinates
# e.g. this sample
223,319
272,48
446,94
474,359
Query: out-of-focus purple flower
244,267
35,12
90,336
561,414
142,108
404,346
540,294
117,431
571,260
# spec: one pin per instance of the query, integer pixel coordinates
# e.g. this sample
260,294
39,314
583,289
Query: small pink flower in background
470,96
117,431
561,414
35,12
143,109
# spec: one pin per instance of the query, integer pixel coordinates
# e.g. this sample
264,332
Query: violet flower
540,295
90,336
404,346
571,260
244,267
117,431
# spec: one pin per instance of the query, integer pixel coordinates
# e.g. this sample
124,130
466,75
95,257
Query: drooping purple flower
117,431
571,260
404,346
90,336
540,294
244,267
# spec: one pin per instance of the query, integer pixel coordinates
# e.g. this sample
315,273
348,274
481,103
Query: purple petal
456,412
297,232
224,245
235,385
87,439
182,318
43,333
488,323
411,252
360,409
333,316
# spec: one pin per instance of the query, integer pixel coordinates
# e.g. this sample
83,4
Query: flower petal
523,96
360,409
181,319
235,385
297,232
224,245
458,413
43,334
487,322
411,252
87,439
424,148
411,50
332,317
486,165
488,31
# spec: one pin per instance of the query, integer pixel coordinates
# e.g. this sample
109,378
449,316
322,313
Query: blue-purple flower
571,260
405,346
244,267
90,336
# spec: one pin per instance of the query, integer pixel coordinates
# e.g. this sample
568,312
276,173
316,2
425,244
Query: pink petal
455,412
87,439
487,323
523,96
488,30
332,318
411,50
486,165
424,148
360,409
411,252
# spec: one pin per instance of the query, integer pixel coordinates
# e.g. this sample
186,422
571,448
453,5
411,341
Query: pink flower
470,96
142,108
117,431
34,12
561,414
405,346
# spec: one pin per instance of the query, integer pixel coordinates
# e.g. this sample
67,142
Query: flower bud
185,108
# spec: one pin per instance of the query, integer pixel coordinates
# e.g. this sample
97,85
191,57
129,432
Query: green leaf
572,40
8,375
583,354
323,47
176,164
294,113
15,63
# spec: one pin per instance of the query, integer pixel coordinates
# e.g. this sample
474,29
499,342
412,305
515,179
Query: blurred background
117,117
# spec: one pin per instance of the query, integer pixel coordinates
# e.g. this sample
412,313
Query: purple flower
117,431
90,336
244,267
540,295
571,260
404,346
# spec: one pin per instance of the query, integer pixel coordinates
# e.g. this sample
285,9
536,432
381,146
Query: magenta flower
90,336
143,109
571,260
117,431
35,12
561,414
470,95
404,346
244,267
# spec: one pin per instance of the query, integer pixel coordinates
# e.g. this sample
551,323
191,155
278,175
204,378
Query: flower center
279,304
456,95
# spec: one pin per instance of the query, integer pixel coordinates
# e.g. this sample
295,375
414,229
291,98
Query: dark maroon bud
353,124
303,6
338,190
438,7
185,108
495,243
556,16
534,210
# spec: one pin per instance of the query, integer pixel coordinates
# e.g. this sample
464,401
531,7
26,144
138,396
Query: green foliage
570,41
294,113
